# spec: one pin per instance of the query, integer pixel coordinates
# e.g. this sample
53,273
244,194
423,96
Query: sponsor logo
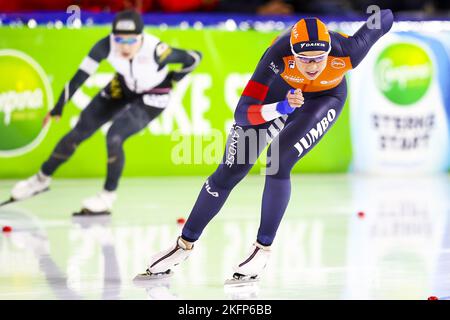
337,63
208,189
311,44
232,147
403,73
331,81
291,64
274,67
315,133
293,78
25,98
126,25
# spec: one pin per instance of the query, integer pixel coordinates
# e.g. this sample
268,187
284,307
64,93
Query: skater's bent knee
280,174
114,140
227,179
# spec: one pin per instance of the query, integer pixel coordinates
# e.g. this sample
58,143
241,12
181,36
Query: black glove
57,109
176,76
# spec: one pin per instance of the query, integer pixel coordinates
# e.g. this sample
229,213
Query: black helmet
128,22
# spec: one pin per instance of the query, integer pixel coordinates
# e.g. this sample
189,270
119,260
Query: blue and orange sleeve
358,45
251,109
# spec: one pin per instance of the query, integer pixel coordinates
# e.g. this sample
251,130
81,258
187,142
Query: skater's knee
78,135
283,171
227,178
114,141
280,165
67,145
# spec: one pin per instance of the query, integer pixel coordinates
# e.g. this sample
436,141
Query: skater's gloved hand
295,98
48,116
58,108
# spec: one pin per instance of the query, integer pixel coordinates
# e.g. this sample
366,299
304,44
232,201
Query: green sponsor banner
187,139
404,79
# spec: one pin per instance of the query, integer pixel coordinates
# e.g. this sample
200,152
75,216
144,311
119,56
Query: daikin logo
313,44
25,98
403,73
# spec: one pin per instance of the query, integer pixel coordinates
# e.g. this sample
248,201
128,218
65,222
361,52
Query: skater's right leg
210,200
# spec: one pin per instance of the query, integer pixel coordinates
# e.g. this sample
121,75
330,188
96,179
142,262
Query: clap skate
162,263
98,205
28,188
248,271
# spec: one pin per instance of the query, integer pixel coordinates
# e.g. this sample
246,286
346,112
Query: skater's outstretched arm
189,59
358,45
88,67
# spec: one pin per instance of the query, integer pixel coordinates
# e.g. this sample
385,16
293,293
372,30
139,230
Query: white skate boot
100,204
251,267
161,263
32,186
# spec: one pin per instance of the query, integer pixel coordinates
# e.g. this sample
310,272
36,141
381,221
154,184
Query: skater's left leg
128,123
301,134
243,147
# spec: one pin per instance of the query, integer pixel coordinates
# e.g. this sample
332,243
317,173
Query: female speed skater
136,95
295,95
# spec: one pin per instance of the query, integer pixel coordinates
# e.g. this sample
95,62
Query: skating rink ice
399,249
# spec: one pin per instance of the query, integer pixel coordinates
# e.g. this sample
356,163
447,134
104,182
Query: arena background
40,52
369,220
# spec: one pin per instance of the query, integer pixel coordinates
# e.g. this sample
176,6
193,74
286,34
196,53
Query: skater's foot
162,263
252,266
100,204
27,188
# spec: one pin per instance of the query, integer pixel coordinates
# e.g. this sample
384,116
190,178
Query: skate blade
87,213
147,278
4,203
12,200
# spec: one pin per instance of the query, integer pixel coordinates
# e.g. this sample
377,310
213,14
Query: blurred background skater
137,94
